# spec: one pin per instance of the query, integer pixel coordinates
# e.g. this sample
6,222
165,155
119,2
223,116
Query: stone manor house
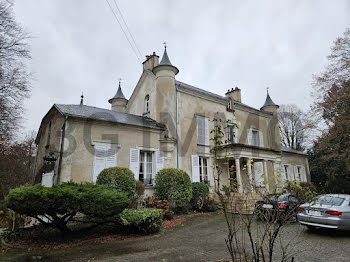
167,123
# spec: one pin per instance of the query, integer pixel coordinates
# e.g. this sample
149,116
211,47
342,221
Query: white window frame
286,171
105,148
147,104
259,139
202,130
203,168
229,104
145,168
231,134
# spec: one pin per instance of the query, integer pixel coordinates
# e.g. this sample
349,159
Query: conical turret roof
165,59
166,62
268,101
119,94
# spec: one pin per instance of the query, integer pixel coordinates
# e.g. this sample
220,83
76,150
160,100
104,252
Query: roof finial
165,44
267,90
120,80
82,99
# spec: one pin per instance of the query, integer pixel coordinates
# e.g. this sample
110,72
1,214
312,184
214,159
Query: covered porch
251,170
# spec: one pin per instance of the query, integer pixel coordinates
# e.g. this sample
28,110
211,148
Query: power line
127,28
126,36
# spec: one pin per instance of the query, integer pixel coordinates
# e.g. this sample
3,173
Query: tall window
48,135
145,169
202,131
231,134
286,171
229,104
203,170
146,104
255,137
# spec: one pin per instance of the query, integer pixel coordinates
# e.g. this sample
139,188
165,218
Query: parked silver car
328,211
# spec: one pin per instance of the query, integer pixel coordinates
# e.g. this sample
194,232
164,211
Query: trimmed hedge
120,178
174,185
145,220
200,195
62,202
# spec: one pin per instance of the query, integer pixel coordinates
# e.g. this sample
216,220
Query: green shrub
145,220
200,194
210,206
156,202
174,185
60,203
120,178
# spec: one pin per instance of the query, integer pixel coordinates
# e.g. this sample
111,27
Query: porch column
238,174
266,177
278,176
250,174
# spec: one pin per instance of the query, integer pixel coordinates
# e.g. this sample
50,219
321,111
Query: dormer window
146,111
229,104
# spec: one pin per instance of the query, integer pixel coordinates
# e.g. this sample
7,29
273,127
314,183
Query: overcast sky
78,46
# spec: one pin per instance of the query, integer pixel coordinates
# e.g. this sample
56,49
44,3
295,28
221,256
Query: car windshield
330,200
283,197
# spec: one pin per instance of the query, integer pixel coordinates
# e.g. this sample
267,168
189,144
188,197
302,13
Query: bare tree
247,238
331,80
16,164
14,78
294,127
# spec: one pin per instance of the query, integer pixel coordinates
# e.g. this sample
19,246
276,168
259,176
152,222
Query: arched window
146,104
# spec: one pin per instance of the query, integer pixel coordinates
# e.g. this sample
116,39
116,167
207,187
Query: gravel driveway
198,239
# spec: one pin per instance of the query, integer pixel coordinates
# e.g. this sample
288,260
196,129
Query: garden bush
200,194
210,205
156,202
145,220
174,185
56,206
120,178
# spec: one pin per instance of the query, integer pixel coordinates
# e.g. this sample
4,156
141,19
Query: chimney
151,61
234,94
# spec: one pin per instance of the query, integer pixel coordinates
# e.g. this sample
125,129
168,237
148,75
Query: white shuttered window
195,168
255,137
105,156
134,162
202,131
258,173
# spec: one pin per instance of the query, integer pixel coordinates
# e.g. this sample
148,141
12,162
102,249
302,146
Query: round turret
118,102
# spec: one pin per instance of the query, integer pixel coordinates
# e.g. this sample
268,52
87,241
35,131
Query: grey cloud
78,46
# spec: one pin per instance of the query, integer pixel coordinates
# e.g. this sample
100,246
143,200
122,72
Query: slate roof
119,94
95,113
290,150
207,93
268,101
165,59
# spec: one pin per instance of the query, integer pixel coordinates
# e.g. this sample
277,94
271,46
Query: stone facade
167,123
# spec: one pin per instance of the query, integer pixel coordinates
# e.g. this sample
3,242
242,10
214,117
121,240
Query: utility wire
126,36
127,28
